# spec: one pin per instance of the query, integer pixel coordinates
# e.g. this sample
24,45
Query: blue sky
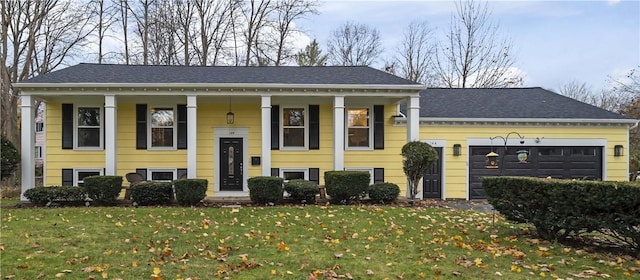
555,42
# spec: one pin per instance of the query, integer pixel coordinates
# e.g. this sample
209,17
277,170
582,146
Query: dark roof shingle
149,74
506,103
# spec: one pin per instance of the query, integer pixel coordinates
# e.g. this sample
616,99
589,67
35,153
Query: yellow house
533,131
227,124
223,124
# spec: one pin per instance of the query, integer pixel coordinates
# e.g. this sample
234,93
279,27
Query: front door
432,179
231,164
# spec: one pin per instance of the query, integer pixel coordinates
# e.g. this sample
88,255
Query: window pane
39,127
293,137
162,137
358,137
88,116
88,137
161,176
293,117
83,174
292,175
161,117
358,117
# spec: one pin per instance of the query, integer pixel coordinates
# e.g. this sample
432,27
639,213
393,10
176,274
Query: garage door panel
555,162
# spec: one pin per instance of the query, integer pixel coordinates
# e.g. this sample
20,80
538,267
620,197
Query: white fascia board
630,122
247,87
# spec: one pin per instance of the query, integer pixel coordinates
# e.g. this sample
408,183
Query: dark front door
231,156
432,180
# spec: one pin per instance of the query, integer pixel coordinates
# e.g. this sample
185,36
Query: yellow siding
456,166
389,158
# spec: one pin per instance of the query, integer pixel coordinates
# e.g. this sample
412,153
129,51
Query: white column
413,118
27,144
338,133
111,135
266,135
192,137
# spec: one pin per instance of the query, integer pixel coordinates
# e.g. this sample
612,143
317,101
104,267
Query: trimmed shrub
42,195
302,190
384,192
562,208
346,186
265,189
103,190
10,158
190,191
151,193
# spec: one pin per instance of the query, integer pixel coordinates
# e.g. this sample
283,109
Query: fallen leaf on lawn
338,255
369,272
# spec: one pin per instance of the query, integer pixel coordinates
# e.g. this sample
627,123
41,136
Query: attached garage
575,162
563,138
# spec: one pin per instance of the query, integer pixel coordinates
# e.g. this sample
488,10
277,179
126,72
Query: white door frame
230,132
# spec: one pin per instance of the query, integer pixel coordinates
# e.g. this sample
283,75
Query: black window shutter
67,177
314,127
378,175
141,127
182,173
275,127
67,127
182,127
142,172
378,127
314,175
275,172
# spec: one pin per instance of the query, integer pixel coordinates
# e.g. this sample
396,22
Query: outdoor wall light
230,117
457,149
618,150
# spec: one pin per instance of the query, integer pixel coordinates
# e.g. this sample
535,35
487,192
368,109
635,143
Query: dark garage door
557,162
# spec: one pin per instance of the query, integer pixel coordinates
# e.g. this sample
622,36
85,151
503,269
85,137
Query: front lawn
323,242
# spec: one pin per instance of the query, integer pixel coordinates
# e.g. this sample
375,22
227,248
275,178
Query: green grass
362,242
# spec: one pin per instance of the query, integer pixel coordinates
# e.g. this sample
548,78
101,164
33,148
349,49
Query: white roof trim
418,87
528,121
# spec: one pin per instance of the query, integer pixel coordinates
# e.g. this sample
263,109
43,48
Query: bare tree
288,11
354,44
123,13
141,13
255,17
105,17
312,55
473,54
414,57
214,18
185,14
37,37
605,99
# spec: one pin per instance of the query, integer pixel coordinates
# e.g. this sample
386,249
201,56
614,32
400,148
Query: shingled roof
154,74
506,103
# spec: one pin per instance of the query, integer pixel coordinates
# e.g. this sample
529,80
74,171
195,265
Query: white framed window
38,152
294,173
359,132
81,173
88,127
162,127
365,169
294,129
162,174
39,126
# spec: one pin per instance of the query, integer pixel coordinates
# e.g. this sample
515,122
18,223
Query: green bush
562,208
151,193
103,190
10,158
302,190
190,191
384,192
66,194
265,189
346,186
